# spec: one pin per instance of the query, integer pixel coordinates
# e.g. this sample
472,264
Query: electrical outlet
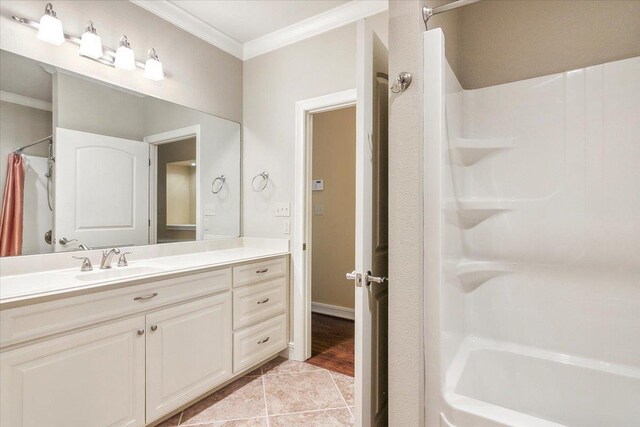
209,209
283,209
286,227
318,209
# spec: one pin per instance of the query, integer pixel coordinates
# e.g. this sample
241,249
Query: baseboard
287,353
333,310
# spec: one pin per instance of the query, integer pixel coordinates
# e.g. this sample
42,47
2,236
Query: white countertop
58,283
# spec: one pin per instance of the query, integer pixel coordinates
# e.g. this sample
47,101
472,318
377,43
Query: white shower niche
532,270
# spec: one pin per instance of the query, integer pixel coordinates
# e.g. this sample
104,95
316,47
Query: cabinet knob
140,331
154,328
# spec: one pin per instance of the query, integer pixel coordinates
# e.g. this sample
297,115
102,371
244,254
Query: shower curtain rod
49,138
428,12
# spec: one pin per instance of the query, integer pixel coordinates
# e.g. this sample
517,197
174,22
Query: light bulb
50,29
153,67
91,43
125,58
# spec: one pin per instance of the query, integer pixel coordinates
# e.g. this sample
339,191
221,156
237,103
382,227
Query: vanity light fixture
125,58
153,67
50,29
91,43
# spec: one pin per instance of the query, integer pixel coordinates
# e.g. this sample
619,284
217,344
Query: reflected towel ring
220,179
261,186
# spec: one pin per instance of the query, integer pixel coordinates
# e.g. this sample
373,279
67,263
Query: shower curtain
12,205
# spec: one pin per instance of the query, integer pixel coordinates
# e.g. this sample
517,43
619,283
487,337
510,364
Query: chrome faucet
106,257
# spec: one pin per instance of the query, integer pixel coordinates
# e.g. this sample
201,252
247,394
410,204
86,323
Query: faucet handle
86,263
122,261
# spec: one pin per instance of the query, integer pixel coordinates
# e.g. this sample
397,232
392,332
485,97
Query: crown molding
14,98
318,24
178,17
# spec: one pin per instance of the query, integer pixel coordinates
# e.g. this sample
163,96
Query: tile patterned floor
280,393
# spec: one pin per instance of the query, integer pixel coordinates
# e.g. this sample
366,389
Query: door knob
355,276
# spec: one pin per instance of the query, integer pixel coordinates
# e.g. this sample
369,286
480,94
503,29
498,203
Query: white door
371,230
101,190
93,378
188,352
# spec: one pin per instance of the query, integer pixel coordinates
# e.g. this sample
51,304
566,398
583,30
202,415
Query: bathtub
496,384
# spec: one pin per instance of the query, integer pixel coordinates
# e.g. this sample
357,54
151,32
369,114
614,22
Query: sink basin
116,273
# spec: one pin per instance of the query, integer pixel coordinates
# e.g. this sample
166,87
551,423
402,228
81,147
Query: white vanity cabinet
92,378
131,355
188,352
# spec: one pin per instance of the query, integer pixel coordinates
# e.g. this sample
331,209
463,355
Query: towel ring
265,180
220,179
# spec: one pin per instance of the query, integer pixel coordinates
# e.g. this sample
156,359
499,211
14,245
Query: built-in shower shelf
473,211
472,274
473,150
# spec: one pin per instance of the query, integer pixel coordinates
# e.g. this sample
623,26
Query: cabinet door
90,378
188,352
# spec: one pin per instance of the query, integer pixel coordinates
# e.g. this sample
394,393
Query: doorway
333,140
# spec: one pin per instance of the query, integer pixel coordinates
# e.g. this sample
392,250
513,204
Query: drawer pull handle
155,294
264,270
262,301
263,340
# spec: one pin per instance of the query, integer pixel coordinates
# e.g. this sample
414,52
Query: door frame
301,251
165,138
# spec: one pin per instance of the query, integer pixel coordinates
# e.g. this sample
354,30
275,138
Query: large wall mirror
105,166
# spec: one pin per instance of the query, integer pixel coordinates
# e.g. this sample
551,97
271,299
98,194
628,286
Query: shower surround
532,271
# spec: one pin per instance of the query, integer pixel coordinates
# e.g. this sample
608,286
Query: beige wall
497,41
181,201
170,153
20,125
89,106
333,236
199,75
406,236
273,83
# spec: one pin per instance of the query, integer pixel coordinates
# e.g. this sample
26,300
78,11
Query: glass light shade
91,45
153,70
125,59
50,30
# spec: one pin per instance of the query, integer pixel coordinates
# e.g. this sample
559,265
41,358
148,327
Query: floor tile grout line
339,408
264,396
204,423
340,393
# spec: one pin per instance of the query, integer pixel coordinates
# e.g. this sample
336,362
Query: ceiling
248,28
247,20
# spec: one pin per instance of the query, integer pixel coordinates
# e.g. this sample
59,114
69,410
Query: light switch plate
318,209
210,209
283,209
317,185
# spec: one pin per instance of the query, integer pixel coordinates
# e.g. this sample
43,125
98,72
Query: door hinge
149,223
149,162
304,246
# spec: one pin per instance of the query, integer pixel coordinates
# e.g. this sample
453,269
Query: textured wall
406,394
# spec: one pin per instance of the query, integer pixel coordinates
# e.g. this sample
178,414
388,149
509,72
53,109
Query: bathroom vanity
128,346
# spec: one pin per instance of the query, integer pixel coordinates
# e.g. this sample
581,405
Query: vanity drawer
254,303
256,271
256,343
37,320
